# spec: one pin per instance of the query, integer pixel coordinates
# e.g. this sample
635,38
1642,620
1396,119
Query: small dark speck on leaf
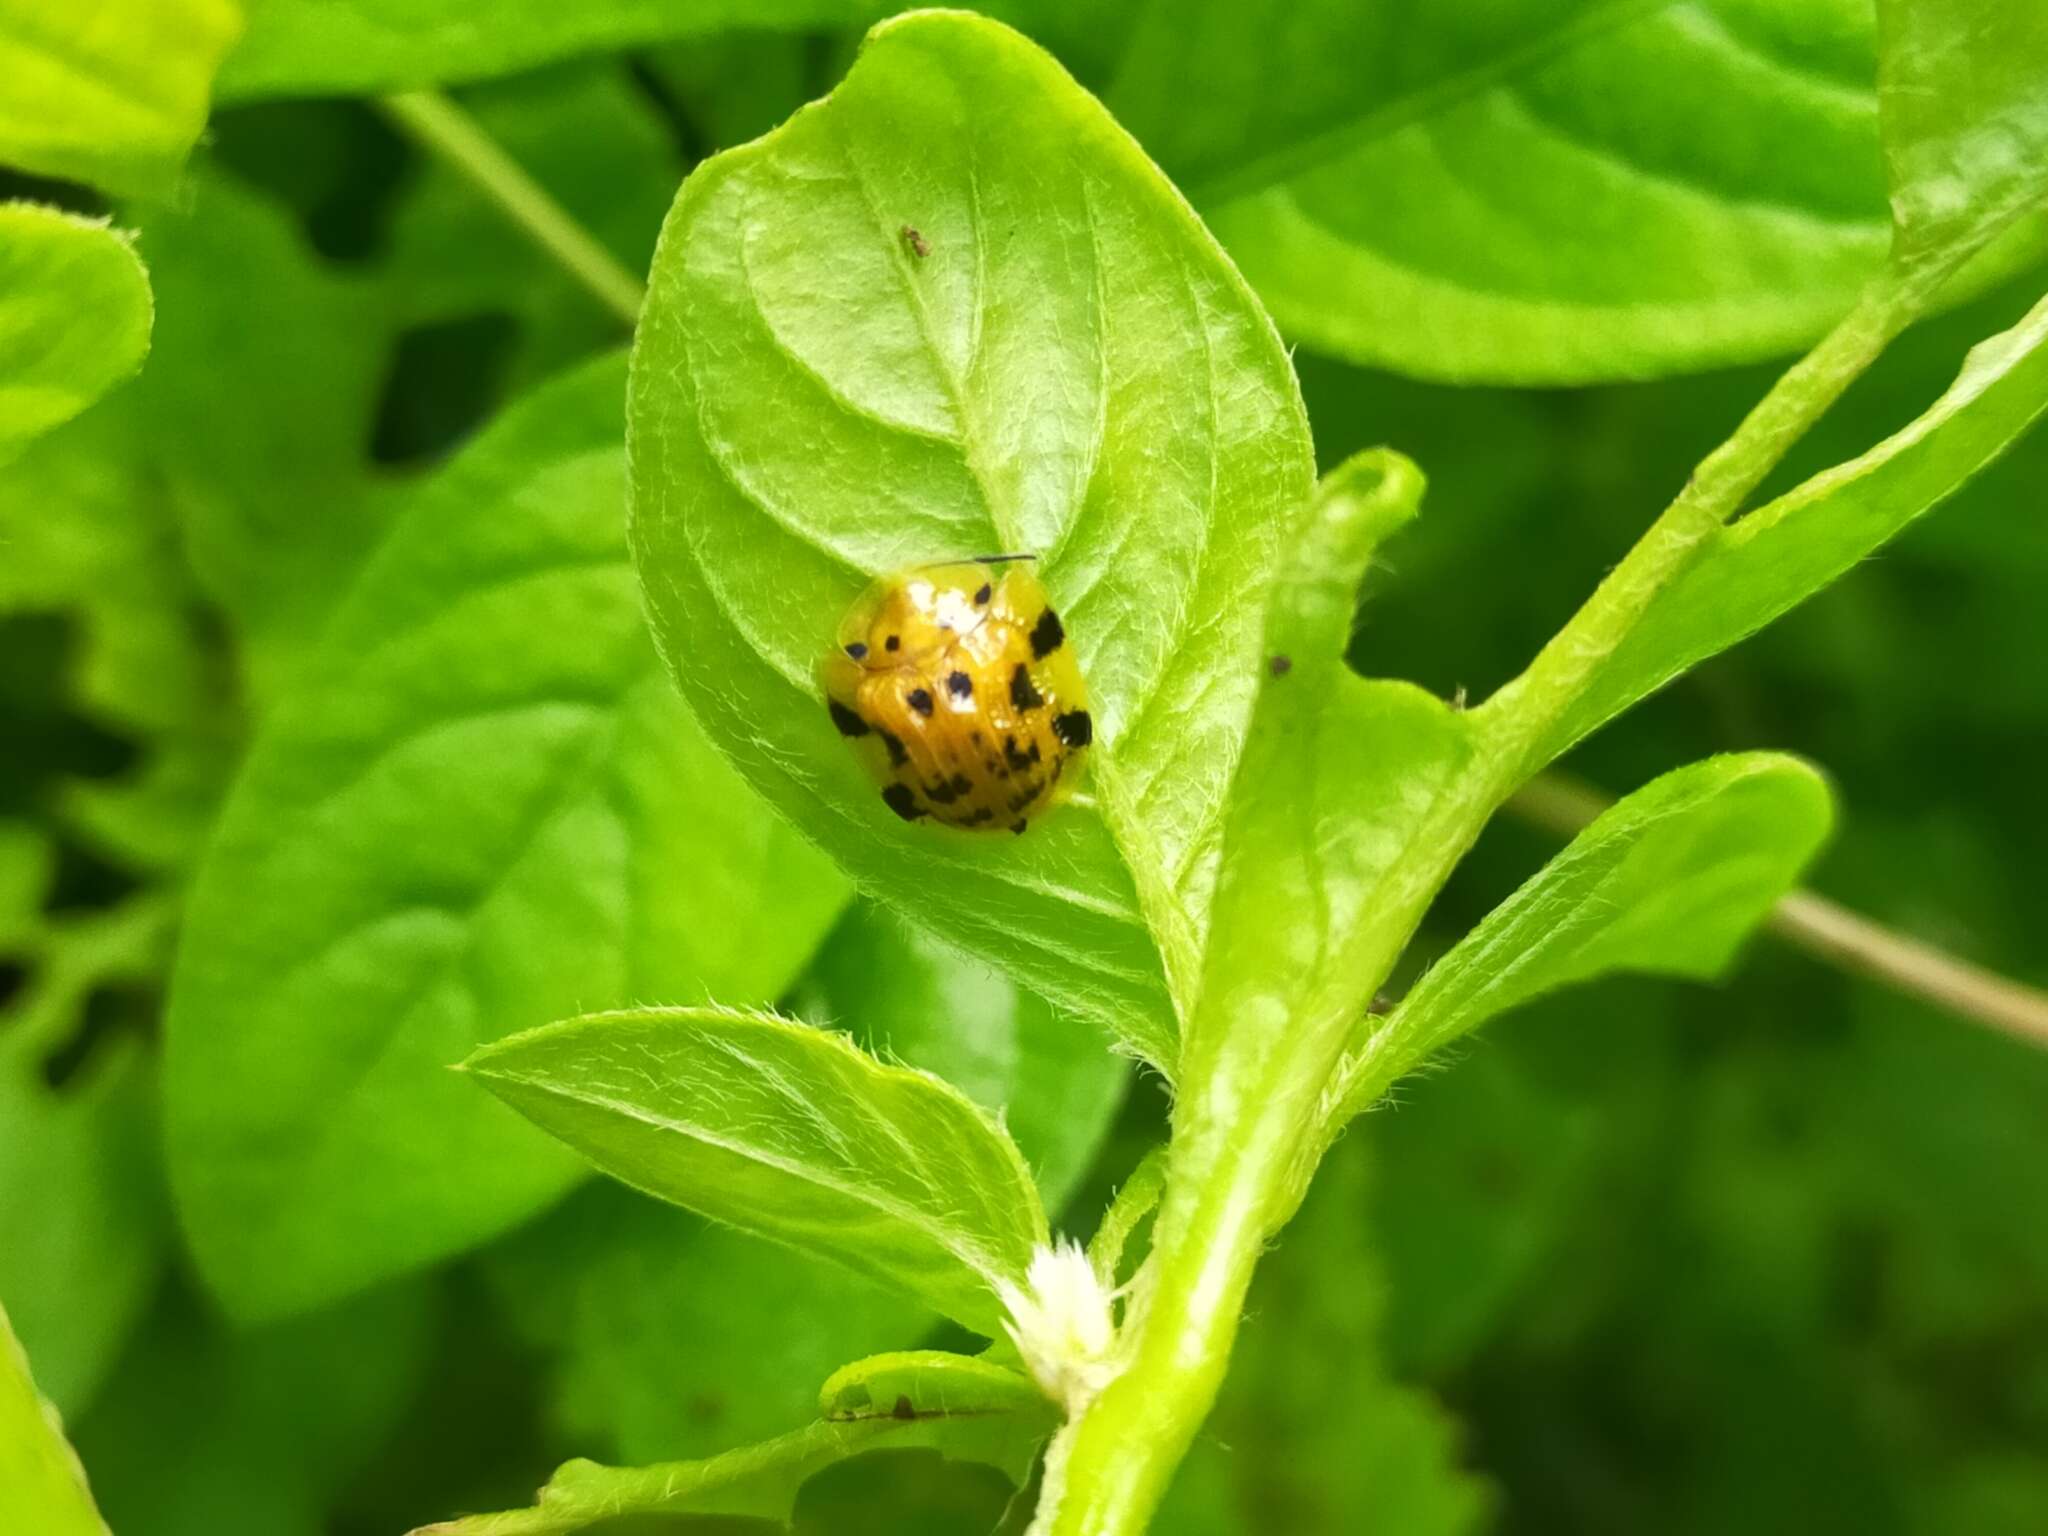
1280,666
919,246
904,1409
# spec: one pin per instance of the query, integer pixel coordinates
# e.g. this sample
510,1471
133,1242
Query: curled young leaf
884,335
791,1133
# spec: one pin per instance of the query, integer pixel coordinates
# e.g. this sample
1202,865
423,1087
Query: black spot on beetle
1023,692
941,793
982,594
1075,728
893,643
1280,666
1019,825
848,722
983,814
960,685
962,784
1018,762
1046,635
1027,794
903,1408
920,699
857,651
901,799
897,756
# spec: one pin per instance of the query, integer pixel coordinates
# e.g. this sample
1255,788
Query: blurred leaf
207,1433
672,1337
109,92
792,1133
758,1480
1963,111
1769,560
355,47
735,86
479,807
586,134
1493,1163
257,405
81,1196
668,1336
1311,1436
1071,369
74,317
1548,192
1670,879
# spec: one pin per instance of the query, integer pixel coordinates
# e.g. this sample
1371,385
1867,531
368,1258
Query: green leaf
1770,560
1072,369
791,1133
1669,880
1340,776
669,1336
480,806
918,1383
74,318
760,1481
1963,112
42,1486
910,997
1321,1437
1544,192
355,47
113,93
272,1426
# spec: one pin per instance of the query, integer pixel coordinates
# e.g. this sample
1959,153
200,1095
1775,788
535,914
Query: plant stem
1521,719
1836,935
445,130
1255,1108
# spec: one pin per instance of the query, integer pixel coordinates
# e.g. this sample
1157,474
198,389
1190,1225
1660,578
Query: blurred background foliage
1764,1257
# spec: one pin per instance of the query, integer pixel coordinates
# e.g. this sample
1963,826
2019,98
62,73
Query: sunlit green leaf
346,47
1670,880
1542,191
1963,110
670,1336
792,1133
1070,369
1341,774
74,318
480,807
1768,561
109,92
42,1486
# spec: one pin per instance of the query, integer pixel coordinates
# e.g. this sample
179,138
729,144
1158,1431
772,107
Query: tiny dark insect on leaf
919,246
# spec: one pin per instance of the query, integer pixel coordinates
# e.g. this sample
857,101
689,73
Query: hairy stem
1260,1098
446,131
1836,935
